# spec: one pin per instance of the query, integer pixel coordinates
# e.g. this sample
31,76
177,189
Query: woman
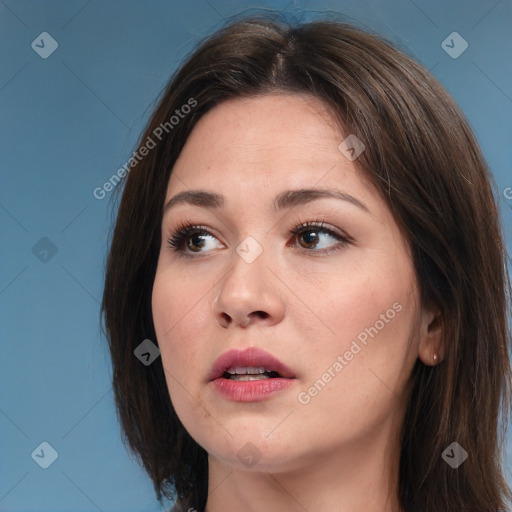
310,239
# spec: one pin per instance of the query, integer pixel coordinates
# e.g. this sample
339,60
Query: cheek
359,391
372,315
164,306
179,314
170,306
172,310
174,303
358,297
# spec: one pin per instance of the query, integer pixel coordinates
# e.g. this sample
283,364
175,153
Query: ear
430,350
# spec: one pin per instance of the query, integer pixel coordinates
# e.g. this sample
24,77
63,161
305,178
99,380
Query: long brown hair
424,159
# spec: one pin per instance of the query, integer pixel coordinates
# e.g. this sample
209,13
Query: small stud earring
435,358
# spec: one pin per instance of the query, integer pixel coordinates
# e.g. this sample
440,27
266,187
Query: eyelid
318,223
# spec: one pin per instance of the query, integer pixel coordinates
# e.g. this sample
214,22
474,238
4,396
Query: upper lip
248,357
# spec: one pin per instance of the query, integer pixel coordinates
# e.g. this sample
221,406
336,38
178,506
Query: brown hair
422,156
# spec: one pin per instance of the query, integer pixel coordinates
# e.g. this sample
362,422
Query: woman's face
337,304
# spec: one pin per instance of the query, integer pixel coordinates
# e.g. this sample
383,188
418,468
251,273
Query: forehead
256,147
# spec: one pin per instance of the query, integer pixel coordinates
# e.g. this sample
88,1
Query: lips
250,357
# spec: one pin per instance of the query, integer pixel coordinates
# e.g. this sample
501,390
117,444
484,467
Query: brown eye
191,236
311,235
195,239
191,239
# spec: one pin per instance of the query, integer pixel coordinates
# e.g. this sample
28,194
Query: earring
435,358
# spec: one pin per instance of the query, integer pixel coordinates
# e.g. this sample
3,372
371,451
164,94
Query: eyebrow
284,200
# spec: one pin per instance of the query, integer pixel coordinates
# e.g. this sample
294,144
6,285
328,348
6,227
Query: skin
340,451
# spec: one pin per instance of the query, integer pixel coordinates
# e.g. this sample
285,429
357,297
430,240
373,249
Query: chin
254,452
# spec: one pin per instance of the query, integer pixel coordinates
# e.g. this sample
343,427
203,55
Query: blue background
68,123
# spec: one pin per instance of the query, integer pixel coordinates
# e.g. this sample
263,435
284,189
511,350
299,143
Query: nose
248,293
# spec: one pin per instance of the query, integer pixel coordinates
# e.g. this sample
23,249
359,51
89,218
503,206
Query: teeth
244,370
250,377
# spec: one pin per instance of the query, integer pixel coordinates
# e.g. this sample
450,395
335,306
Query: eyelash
187,229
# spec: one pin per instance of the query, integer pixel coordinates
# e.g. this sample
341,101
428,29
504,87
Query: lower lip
250,390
